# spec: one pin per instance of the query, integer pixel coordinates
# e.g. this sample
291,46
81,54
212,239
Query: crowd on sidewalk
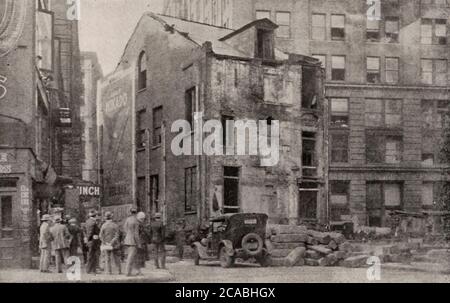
100,238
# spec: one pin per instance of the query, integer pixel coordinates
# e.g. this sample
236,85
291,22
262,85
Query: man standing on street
61,240
77,237
158,235
110,237
45,244
132,240
93,242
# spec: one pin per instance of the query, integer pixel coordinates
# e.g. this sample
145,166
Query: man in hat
61,240
132,240
110,238
45,244
77,237
180,237
158,235
93,242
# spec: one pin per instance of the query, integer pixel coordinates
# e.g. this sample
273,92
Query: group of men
106,239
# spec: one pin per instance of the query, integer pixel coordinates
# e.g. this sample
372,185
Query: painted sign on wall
116,95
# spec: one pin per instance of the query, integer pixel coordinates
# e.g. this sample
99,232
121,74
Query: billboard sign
117,123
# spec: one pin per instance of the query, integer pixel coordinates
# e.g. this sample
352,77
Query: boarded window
309,88
428,194
392,195
339,193
375,147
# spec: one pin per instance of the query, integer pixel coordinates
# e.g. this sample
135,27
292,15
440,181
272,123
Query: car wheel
252,244
226,261
196,257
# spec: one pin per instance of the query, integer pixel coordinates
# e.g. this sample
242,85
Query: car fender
228,246
202,251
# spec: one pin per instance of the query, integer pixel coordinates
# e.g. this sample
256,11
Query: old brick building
186,67
387,88
32,63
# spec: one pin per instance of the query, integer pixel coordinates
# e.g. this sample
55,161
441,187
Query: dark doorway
307,207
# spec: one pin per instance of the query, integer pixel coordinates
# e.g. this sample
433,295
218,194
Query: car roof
229,216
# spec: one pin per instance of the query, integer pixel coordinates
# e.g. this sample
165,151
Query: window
231,189
382,148
391,30
434,71
339,193
382,196
261,14
190,105
435,114
190,189
157,125
373,69
373,30
339,148
309,88
284,23
142,68
264,48
428,194
141,137
6,212
228,131
339,112
309,157
318,27
392,70
338,68
337,27
383,113
141,193
154,193
434,31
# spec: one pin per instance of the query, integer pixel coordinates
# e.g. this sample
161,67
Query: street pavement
211,272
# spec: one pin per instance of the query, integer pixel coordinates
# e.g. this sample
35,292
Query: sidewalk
150,275
433,268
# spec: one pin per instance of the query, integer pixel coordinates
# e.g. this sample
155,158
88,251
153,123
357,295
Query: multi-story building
387,87
92,73
31,98
184,69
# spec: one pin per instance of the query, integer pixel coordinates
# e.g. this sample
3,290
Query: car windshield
219,226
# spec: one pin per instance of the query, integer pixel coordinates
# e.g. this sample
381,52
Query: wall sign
89,191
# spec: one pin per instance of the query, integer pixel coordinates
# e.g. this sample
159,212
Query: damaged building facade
185,67
387,90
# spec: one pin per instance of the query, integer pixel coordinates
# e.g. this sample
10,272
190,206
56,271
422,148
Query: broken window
231,189
339,112
337,27
381,148
154,193
392,195
190,189
428,194
338,68
190,104
339,148
373,69
309,88
264,44
318,27
157,125
142,68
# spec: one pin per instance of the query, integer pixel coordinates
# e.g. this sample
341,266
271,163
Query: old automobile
234,236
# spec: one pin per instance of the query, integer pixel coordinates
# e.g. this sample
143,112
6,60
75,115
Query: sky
106,25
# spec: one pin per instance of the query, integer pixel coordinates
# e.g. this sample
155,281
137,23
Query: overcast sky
106,26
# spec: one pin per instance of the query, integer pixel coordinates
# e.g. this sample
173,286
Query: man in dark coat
93,242
158,235
132,241
77,237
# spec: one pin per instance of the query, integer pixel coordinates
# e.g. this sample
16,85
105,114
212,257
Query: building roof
201,33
